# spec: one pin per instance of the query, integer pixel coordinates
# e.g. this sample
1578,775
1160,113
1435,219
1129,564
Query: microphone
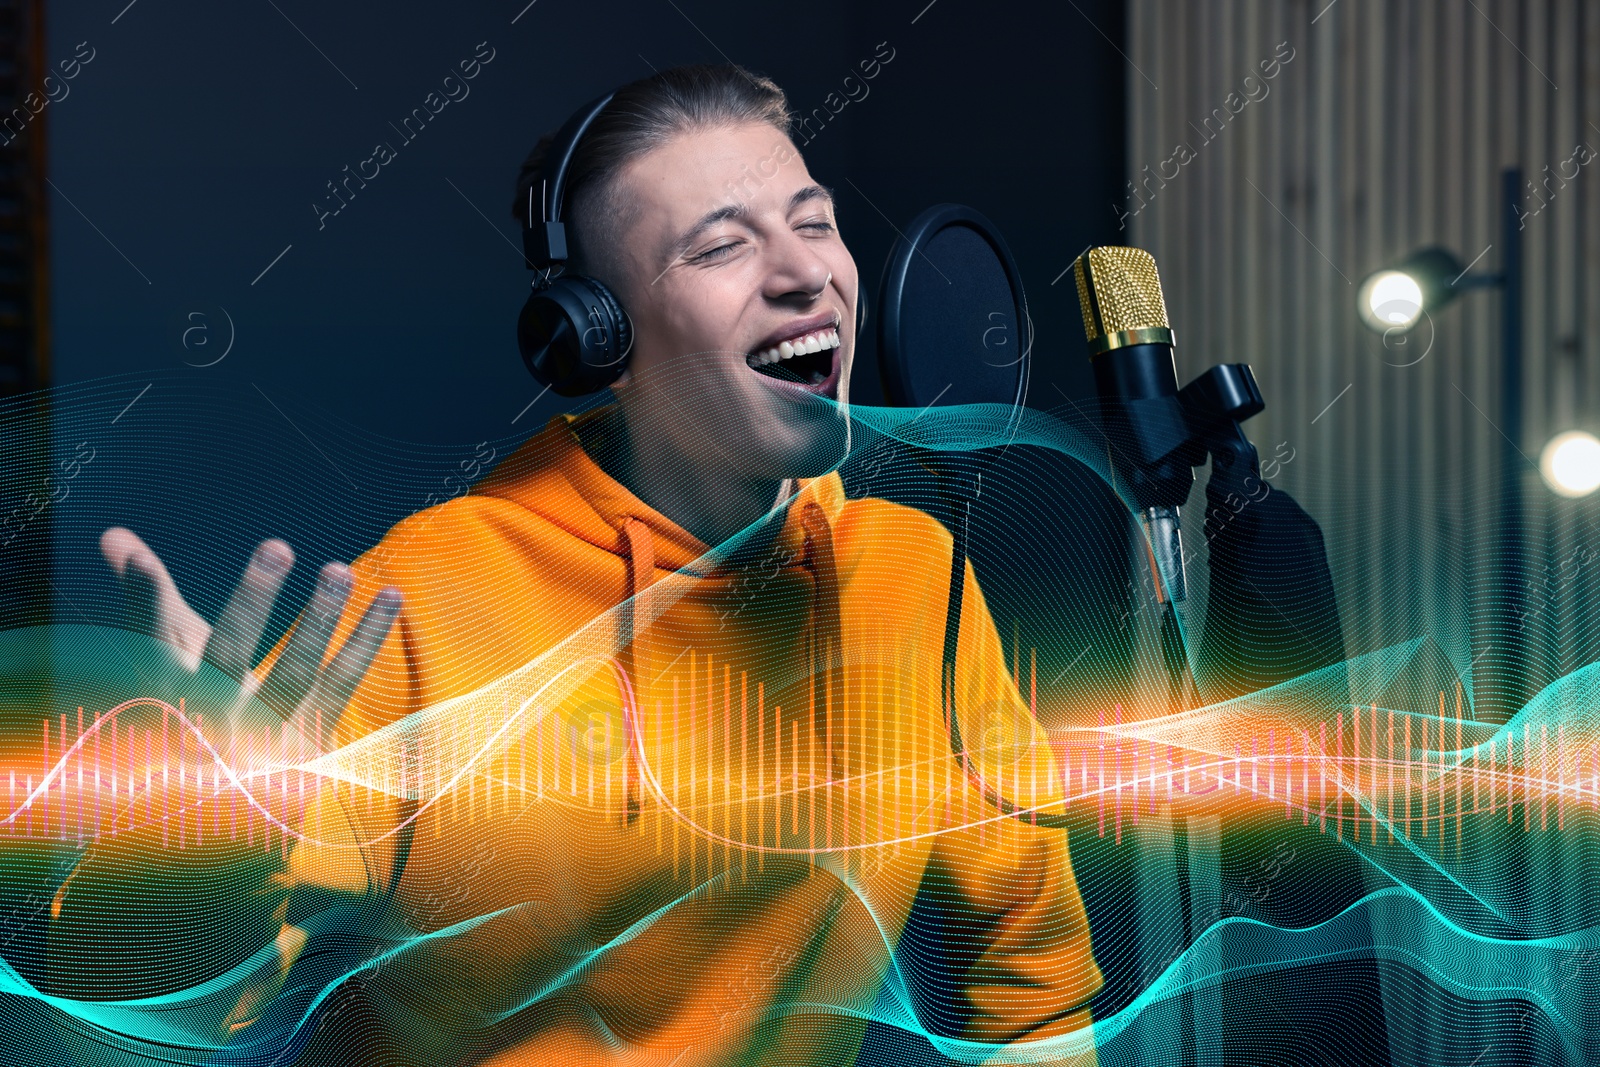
1152,449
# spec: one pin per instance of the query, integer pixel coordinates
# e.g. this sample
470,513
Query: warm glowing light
1391,300
1570,463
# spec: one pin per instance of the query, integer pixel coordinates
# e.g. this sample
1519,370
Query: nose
796,272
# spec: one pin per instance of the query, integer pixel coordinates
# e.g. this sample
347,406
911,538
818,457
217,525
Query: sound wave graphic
1362,770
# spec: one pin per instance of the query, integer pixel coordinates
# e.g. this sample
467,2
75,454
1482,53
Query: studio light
1391,299
1395,298
1570,463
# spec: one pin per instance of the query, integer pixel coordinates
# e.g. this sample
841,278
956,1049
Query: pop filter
954,329
953,326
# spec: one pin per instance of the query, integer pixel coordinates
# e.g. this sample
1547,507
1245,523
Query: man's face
733,254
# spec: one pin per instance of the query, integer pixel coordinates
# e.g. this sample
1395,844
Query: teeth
811,342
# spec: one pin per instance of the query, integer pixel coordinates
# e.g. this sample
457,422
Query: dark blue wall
370,359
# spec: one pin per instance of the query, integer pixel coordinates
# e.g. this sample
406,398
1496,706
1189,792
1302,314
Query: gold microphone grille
1119,292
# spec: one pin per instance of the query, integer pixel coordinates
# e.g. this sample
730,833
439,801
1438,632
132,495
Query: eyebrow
741,211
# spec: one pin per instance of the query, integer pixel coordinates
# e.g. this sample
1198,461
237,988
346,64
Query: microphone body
1152,447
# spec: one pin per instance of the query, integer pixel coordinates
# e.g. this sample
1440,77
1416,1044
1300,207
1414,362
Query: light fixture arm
1491,280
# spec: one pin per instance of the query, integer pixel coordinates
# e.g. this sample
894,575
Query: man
668,704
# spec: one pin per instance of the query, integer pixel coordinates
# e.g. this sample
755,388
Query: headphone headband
544,243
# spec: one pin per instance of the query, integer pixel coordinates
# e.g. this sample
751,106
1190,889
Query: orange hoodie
681,818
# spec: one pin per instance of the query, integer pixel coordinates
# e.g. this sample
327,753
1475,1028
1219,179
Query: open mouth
807,359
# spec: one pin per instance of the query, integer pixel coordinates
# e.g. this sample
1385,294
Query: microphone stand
1211,409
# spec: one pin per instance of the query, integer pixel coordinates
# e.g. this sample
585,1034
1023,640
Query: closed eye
715,253
720,251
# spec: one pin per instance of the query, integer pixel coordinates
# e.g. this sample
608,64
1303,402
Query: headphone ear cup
574,336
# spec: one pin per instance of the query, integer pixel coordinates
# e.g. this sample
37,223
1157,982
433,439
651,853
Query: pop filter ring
893,373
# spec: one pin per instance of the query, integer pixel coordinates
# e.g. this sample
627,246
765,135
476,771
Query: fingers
296,670
117,543
344,674
154,606
140,596
232,647
152,603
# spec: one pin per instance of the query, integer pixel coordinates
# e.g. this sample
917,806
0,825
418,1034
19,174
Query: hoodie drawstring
827,674
639,553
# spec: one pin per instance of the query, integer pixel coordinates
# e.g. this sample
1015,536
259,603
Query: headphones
573,334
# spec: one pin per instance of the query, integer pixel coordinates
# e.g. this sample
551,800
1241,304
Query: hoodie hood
554,477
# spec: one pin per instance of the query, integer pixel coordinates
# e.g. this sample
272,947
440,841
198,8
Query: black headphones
573,333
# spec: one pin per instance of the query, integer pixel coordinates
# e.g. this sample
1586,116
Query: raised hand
298,679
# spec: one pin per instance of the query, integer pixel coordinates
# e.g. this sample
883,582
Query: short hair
642,116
